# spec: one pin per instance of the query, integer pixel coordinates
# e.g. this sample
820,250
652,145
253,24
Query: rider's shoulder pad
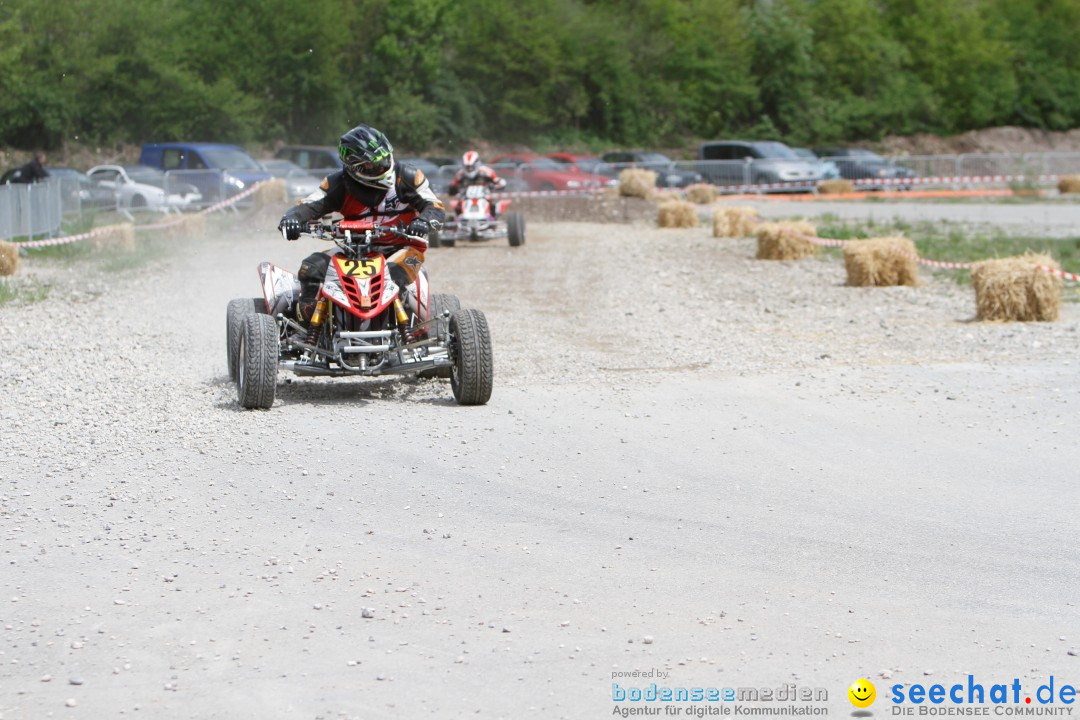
411,175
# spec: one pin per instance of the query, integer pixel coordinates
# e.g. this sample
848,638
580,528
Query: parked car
435,176
763,162
829,169
858,164
584,163
218,170
299,183
543,173
77,187
142,187
667,174
321,158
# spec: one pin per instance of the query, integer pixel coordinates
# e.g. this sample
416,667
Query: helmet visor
367,169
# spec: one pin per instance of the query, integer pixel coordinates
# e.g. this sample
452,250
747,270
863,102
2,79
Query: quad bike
474,221
373,316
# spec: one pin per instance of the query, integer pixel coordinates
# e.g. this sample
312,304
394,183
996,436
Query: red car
543,173
585,163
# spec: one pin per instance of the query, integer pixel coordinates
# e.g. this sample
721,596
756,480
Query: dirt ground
736,472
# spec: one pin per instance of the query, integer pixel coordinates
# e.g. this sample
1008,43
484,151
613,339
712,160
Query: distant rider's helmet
368,157
470,161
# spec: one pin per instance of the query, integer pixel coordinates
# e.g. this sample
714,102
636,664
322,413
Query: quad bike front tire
234,317
439,303
470,349
257,362
433,239
515,229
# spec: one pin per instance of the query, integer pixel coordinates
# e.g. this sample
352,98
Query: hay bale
1069,184
634,182
701,193
116,237
735,222
271,193
677,214
1012,288
188,226
784,241
9,258
876,262
836,187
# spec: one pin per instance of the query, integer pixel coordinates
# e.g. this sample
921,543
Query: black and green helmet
368,156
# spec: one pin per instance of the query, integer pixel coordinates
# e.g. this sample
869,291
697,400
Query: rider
473,172
371,184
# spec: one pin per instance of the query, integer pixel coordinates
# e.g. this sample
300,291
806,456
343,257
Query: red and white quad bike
373,317
474,221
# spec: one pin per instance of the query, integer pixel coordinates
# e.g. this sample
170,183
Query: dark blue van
218,170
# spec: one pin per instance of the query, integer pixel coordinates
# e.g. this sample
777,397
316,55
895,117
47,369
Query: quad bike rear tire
439,303
515,229
234,317
470,349
257,362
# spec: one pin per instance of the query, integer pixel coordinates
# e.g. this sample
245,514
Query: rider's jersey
484,176
409,197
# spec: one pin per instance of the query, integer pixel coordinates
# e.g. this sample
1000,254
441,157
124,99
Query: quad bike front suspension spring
317,318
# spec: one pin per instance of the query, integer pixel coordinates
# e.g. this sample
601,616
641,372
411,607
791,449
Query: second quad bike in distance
475,221
374,316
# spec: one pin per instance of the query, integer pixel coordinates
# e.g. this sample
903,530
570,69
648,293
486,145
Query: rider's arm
414,189
327,199
496,182
455,183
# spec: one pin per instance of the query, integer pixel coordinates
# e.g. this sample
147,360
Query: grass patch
953,242
22,291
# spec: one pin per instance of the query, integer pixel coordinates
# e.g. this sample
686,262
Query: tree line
548,72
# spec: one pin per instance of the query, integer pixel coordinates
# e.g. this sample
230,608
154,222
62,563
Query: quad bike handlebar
358,237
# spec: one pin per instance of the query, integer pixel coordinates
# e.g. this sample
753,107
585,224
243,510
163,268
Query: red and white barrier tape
545,193
829,242
954,180
69,239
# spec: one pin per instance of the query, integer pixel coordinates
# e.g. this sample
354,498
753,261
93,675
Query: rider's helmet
368,157
470,161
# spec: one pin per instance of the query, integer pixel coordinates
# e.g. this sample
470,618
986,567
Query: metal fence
802,174
30,209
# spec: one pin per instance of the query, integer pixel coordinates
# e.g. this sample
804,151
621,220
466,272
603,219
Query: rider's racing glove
419,227
291,227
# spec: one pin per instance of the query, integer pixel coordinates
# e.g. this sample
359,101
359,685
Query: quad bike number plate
362,268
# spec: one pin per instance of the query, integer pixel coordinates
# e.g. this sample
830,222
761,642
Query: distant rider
473,172
370,185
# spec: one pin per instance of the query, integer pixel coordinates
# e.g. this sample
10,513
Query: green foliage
591,73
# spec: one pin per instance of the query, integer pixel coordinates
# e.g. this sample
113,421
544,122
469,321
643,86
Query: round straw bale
635,182
271,193
9,258
1014,289
188,226
677,214
735,222
785,240
836,187
1069,184
701,193
118,237
880,262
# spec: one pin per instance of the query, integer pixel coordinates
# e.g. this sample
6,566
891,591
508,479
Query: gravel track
772,477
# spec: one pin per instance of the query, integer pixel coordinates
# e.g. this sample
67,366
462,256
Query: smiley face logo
862,693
